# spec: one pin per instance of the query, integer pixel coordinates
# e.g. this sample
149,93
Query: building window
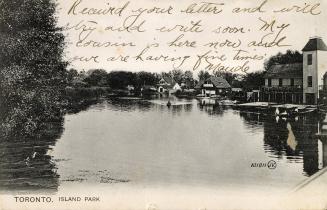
309,81
269,82
292,82
280,82
309,59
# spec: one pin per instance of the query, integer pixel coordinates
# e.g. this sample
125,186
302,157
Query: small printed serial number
270,165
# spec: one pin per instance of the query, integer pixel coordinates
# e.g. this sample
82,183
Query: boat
282,114
297,111
227,102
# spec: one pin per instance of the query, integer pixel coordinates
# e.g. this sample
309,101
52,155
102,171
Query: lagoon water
138,142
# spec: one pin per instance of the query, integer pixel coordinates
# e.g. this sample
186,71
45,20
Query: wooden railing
297,88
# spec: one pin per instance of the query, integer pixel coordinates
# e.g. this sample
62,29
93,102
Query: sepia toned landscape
133,106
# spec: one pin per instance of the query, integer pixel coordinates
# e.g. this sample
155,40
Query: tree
32,71
72,73
203,75
253,80
188,79
177,75
228,76
97,77
146,78
32,41
188,75
280,58
121,79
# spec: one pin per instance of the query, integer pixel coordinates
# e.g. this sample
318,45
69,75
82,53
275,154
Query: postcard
162,104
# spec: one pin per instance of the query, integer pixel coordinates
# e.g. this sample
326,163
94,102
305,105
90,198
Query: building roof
285,71
218,82
315,44
168,79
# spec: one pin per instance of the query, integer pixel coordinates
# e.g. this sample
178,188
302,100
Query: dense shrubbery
32,72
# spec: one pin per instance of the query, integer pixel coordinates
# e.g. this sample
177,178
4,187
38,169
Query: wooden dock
285,110
274,105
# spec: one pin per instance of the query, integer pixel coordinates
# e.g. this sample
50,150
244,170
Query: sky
301,27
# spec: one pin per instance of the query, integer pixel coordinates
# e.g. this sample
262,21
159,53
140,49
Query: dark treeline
114,79
122,79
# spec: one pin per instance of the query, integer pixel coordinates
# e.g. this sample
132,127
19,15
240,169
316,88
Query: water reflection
293,139
127,104
27,164
212,109
323,154
176,106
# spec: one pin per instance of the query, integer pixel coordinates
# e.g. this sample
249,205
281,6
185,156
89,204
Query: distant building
298,83
214,86
168,84
147,89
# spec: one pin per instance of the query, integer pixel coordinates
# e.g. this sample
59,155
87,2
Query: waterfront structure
168,84
283,84
214,86
299,83
314,69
